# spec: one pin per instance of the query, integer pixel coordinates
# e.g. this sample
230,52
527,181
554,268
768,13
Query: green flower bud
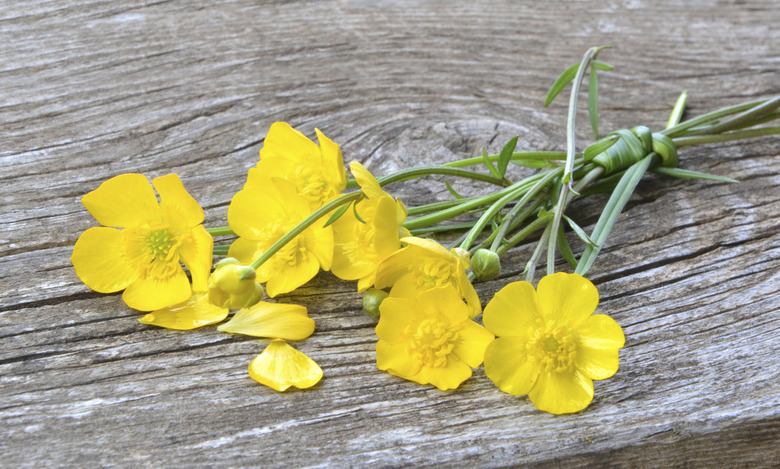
485,264
233,285
372,299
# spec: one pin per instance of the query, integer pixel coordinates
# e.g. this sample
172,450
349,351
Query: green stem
522,155
702,139
420,171
220,231
679,129
307,222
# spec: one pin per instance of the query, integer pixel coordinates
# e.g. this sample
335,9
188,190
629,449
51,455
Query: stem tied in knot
632,146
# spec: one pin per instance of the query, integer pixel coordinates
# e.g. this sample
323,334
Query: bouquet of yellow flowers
299,213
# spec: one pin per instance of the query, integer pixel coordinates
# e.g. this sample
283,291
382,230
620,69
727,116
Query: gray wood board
92,89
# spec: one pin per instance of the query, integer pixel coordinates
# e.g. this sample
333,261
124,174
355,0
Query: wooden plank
93,89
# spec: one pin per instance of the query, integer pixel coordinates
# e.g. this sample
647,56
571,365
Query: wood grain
92,89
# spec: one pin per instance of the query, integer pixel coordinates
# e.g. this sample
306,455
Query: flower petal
333,161
99,261
512,311
562,393
150,293
281,366
445,377
471,343
124,201
467,291
195,312
245,251
507,365
282,141
274,320
395,359
196,253
396,314
180,210
366,180
597,363
287,279
600,331
566,298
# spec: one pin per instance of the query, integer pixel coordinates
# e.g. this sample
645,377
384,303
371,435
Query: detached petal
562,393
124,201
281,366
180,210
195,312
274,320
99,261
566,298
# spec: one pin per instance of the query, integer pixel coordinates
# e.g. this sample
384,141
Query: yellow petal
447,302
562,393
195,312
600,331
396,314
254,208
245,251
334,162
99,261
196,253
445,377
395,359
429,245
467,291
319,242
180,210
472,341
149,293
282,141
366,180
566,298
512,311
597,363
507,365
284,277
274,320
281,366
124,201
386,239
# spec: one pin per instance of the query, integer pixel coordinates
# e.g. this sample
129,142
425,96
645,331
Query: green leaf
354,211
452,191
506,155
580,232
336,215
593,102
534,164
564,79
599,147
565,249
602,66
688,174
489,164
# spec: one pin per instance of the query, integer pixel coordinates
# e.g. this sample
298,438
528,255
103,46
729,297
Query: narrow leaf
580,232
489,164
566,77
602,66
506,155
452,191
354,211
688,174
565,249
336,215
593,102
599,147
534,164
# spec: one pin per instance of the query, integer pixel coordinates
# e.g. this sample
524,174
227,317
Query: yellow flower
281,366
360,247
317,171
275,320
425,264
143,257
233,285
197,311
430,338
550,345
261,215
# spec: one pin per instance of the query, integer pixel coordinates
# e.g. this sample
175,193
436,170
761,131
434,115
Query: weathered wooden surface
93,89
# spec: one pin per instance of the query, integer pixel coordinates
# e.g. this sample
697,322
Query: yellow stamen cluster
554,349
431,342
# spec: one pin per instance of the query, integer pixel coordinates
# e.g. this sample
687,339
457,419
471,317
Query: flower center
312,183
159,243
434,274
153,251
554,349
431,342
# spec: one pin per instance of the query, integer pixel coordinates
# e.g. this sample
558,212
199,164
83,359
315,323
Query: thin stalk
220,231
702,139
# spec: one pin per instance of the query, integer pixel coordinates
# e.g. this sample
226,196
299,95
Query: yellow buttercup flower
430,338
197,311
233,285
361,244
274,320
425,264
317,171
142,243
549,343
280,366
260,215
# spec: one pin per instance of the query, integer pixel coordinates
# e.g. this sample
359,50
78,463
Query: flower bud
372,299
233,285
485,264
